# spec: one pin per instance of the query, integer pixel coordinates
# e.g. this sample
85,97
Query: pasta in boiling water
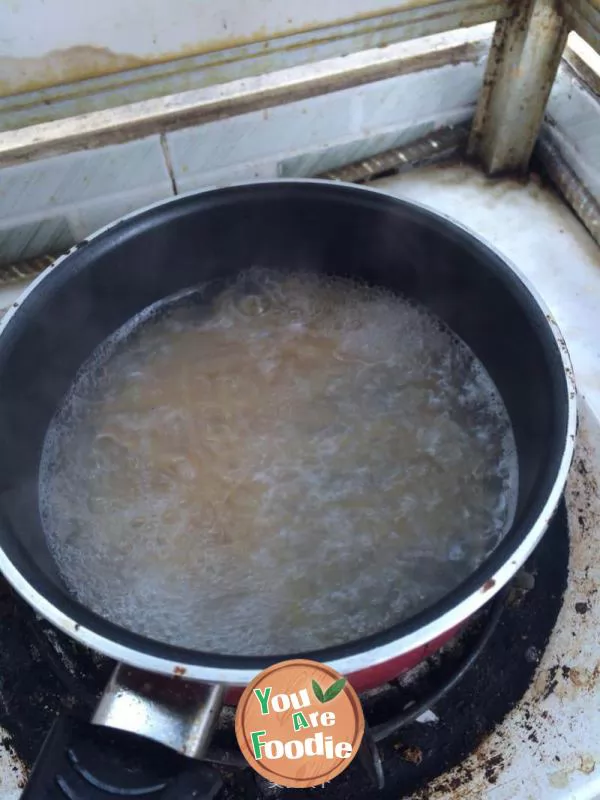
288,463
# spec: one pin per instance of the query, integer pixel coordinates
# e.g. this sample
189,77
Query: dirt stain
62,66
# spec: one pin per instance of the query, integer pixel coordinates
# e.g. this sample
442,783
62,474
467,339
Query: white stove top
548,748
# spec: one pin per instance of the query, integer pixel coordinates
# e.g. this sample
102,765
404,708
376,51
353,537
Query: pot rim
355,662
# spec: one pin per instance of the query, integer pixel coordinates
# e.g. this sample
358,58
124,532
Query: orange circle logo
299,723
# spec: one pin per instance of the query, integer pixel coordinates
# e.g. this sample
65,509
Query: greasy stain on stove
564,679
44,672
446,754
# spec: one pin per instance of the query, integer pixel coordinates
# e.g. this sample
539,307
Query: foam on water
285,464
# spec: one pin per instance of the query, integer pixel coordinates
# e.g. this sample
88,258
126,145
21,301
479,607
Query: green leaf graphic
334,690
318,691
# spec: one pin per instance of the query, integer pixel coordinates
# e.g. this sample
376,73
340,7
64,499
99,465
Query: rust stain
62,66
411,754
566,681
84,61
587,764
584,763
88,61
488,585
179,671
470,779
560,779
109,127
546,681
570,676
576,680
583,496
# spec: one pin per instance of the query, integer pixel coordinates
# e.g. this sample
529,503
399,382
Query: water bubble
287,464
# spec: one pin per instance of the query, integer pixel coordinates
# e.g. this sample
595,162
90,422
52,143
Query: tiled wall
307,137
47,205
574,112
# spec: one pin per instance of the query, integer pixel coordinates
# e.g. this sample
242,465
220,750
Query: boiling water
289,463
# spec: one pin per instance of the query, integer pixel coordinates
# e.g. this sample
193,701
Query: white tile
309,128
76,177
575,115
24,239
260,135
319,161
86,218
436,94
257,171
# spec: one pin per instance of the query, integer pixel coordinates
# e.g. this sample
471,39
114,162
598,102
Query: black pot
291,225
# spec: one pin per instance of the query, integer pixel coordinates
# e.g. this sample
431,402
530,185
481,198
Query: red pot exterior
371,677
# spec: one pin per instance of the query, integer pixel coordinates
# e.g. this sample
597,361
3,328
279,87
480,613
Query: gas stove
522,719
418,726
424,727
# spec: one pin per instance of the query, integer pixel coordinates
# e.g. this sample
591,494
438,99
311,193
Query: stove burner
370,755
417,709
471,685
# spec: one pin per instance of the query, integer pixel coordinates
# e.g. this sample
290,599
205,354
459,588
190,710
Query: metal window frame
186,109
523,59
406,20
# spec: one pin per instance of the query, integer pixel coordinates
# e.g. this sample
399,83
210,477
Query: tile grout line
164,146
